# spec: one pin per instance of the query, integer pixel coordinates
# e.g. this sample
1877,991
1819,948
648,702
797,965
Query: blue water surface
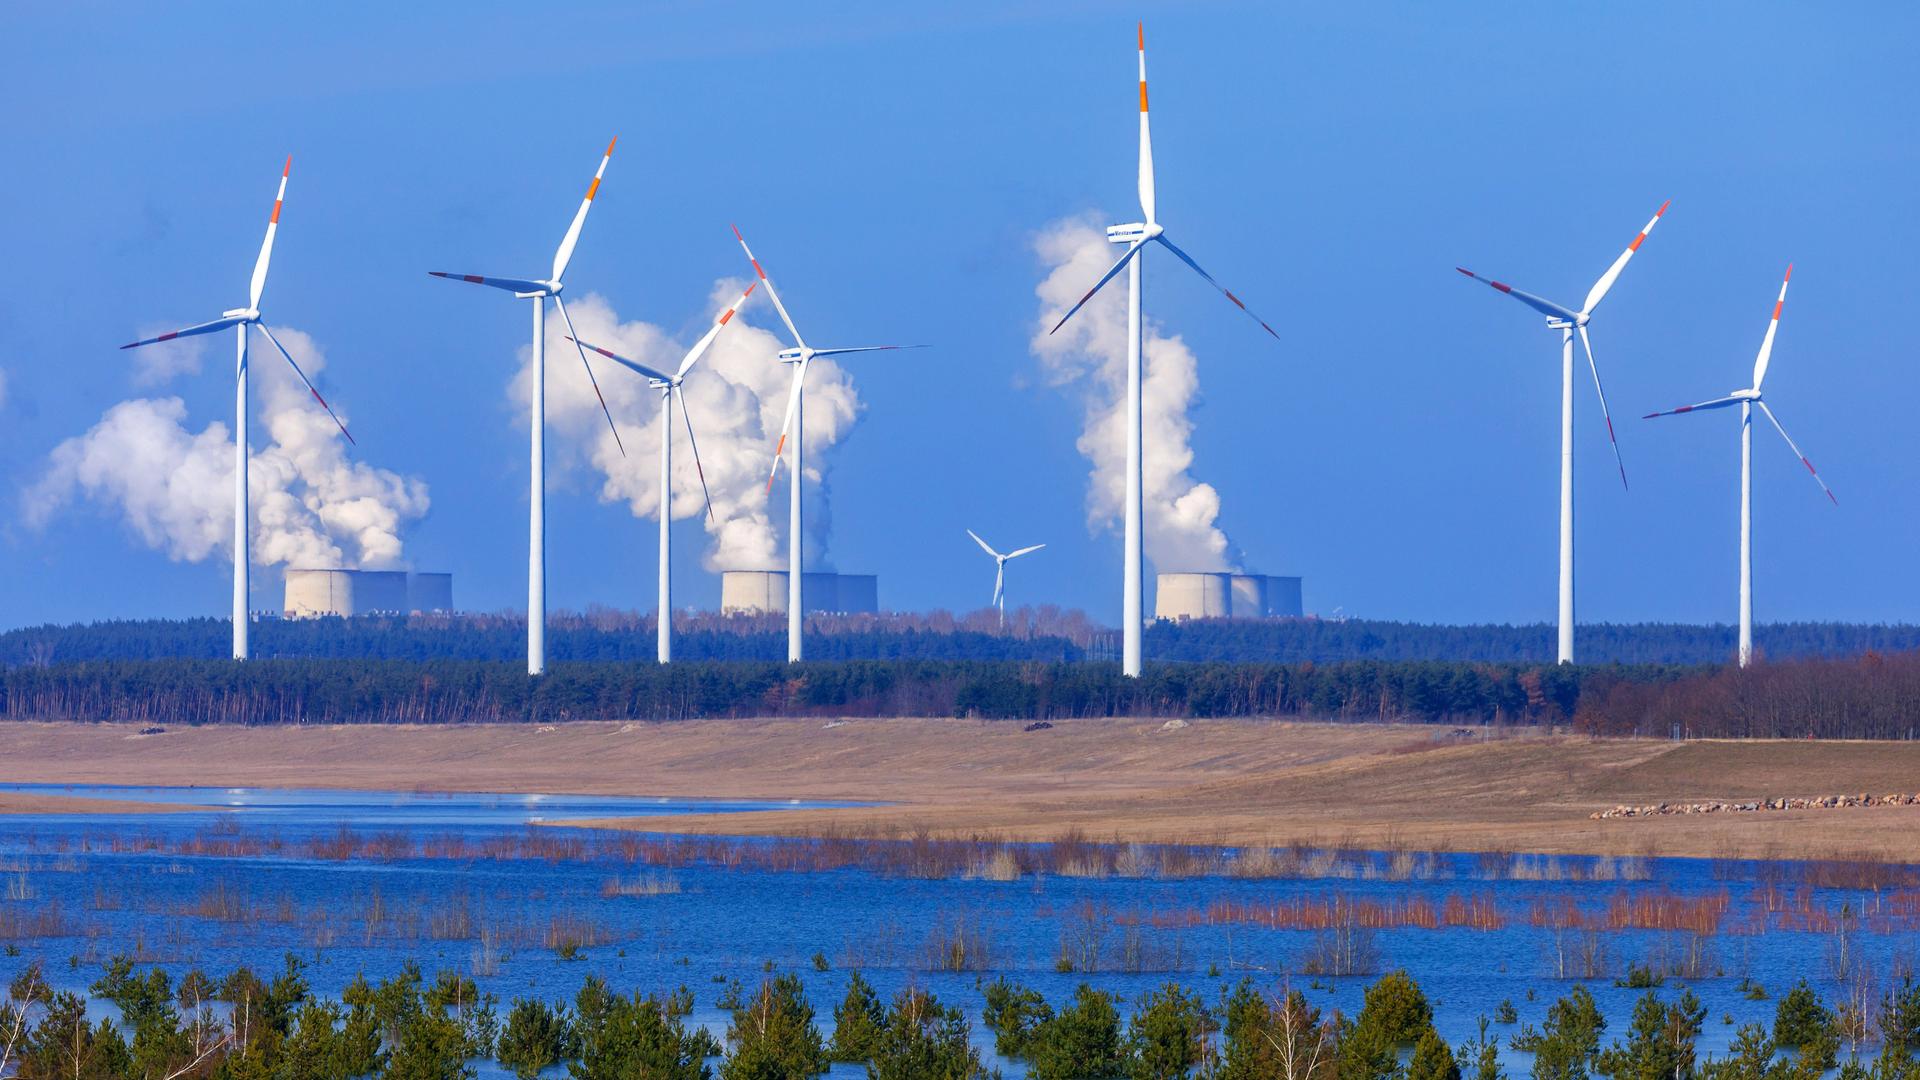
246,881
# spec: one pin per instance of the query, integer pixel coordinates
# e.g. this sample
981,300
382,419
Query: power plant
313,594
1190,595
764,592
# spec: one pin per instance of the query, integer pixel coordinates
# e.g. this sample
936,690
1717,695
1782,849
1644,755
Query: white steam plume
736,397
1089,355
311,505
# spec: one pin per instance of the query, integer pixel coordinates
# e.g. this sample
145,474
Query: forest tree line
1870,696
1034,633
246,1027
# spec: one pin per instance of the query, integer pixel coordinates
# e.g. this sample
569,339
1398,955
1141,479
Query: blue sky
894,165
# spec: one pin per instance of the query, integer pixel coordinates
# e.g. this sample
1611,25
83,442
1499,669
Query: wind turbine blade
1594,366
700,347
203,328
1024,550
999,583
1599,290
864,348
793,406
259,284
771,294
1132,250
564,254
1543,306
1146,140
1224,291
633,365
695,444
1815,473
984,546
1761,361
309,382
1716,403
573,336
512,285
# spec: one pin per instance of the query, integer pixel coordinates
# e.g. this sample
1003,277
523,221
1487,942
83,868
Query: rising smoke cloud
736,399
311,505
1089,357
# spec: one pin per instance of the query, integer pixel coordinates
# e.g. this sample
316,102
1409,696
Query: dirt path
1211,781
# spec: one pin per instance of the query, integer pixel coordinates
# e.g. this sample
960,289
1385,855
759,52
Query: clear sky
895,165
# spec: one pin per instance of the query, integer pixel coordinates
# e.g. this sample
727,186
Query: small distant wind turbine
1747,399
1568,321
794,426
1136,236
670,385
1000,571
241,319
538,292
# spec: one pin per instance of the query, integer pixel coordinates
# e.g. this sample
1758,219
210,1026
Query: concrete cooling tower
764,592
1190,595
316,593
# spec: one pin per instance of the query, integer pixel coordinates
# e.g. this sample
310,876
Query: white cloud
163,361
1089,356
310,504
736,399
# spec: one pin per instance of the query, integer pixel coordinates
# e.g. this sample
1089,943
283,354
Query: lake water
363,881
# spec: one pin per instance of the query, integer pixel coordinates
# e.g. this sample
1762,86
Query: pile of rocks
1816,802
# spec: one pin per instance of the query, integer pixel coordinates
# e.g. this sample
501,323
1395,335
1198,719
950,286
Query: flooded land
950,856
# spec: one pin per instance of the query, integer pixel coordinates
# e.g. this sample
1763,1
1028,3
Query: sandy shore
19,803
1236,782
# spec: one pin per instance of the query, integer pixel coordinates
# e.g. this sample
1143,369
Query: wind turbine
669,385
794,426
538,291
1000,571
1747,399
1136,237
1568,321
241,319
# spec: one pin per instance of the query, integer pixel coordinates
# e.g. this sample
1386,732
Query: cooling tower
1208,595
313,593
764,592
1192,596
430,593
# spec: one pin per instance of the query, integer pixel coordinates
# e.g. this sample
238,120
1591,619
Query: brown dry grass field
1231,782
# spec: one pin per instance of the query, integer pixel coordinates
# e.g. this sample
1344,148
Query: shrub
856,1022
773,1036
1081,1041
536,1036
644,1037
1014,1014
1800,1018
1395,1010
1567,1046
1432,1059
1660,1044
1168,1035
922,1040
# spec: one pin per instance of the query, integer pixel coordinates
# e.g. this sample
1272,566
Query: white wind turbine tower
242,319
794,427
1136,236
1000,571
1747,399
670,385
538,292
1568,322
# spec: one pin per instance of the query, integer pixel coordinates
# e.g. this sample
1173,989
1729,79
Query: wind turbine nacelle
249,314
1746,395
1127,234
791,356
